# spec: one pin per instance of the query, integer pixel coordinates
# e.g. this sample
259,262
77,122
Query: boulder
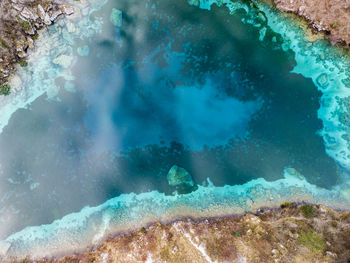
178,176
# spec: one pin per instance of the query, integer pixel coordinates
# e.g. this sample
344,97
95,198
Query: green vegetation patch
25,24
312,241
335,25
5,90
308,211
23,63
236,233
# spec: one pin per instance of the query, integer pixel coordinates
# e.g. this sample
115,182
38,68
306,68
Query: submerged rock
116,17
179,176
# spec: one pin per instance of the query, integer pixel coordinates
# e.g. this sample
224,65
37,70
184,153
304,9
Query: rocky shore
329,16
20,21
294,233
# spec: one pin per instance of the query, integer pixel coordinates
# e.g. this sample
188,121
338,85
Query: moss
312,241
308,211
23,63
5,90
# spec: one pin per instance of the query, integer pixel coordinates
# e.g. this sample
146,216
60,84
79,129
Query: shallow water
174,84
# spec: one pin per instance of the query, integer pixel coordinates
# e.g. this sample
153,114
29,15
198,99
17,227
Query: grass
312,241
308,211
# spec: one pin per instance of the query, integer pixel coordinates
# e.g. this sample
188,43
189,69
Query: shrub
308,210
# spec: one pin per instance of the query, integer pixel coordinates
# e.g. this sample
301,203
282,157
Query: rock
55,14
70,27
28,14
41,12
67,10
322,80
4,247
116,17
83,51
179,176
22,54
63,61
30,43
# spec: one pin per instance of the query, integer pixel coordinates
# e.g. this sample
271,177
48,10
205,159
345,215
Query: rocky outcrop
330,16
293,233
20,21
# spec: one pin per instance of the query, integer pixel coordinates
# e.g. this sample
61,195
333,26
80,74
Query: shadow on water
173,85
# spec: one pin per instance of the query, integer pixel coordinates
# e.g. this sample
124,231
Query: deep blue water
173,85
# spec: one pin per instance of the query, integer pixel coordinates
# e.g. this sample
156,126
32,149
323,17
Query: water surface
174,84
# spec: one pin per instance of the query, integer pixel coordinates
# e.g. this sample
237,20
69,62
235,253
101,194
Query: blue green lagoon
113,97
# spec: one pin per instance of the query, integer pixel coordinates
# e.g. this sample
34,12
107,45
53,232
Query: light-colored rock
63,61
116,17
179,176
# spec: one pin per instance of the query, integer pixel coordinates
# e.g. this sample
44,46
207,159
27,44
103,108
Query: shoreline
156,241
21,22
325,16
79,231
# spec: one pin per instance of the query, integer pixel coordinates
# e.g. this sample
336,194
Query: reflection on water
173,85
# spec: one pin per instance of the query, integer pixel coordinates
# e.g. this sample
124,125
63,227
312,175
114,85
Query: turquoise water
170,84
